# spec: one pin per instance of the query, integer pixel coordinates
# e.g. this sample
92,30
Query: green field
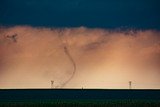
82,103
79,98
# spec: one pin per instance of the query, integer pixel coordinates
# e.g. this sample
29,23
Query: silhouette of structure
130,84
52,84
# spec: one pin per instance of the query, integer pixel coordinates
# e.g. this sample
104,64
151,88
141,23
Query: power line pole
52,84
130,84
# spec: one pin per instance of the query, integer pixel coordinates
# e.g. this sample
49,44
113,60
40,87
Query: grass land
81,103
79,98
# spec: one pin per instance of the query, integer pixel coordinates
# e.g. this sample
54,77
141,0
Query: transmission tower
52,84
130,84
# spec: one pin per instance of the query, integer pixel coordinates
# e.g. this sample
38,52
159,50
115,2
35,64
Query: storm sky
79,43
142,14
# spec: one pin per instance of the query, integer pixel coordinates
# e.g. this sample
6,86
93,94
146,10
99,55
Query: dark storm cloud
143,14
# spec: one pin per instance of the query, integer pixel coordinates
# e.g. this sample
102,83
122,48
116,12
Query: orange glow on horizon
104,59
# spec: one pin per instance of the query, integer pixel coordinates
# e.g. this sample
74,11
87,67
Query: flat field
79,98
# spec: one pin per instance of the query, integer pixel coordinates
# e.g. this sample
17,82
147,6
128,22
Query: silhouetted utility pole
52,84
130,84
